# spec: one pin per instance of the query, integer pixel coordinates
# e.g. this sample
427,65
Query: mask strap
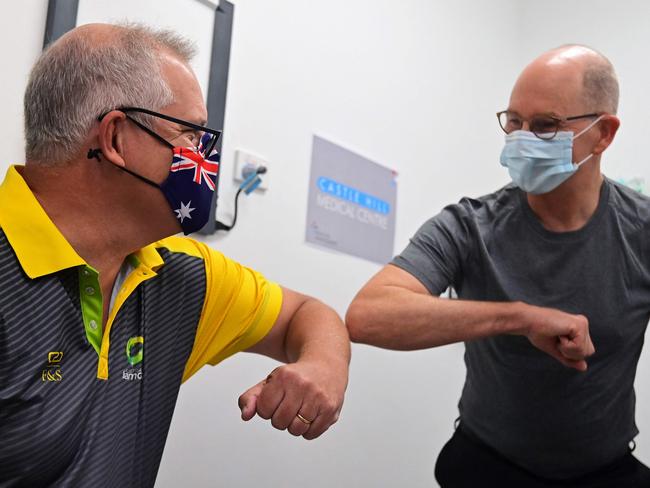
582,132
95,153
588,127
583,161
141,178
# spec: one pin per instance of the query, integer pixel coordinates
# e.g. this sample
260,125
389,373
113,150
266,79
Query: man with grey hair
553,276
103,312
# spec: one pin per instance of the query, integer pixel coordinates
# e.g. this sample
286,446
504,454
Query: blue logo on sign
344,192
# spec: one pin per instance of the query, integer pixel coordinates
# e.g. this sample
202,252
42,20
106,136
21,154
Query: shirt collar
149,257
40,247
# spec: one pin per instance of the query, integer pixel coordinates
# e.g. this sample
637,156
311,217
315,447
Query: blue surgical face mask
537,165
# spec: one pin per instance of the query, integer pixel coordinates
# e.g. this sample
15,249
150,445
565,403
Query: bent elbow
356,320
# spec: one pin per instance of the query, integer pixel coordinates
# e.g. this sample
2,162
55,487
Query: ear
608,126
111,137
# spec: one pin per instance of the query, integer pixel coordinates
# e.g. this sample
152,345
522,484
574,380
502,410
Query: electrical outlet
246,164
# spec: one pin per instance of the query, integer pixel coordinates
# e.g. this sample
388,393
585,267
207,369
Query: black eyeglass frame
558,122
125,110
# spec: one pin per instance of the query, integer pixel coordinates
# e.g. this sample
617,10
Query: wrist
333,371
513,320
324,360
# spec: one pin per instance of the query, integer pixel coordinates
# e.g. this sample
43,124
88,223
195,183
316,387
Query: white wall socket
245,163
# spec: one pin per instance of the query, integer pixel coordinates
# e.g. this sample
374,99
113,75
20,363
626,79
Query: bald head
598,78
90,70
573,79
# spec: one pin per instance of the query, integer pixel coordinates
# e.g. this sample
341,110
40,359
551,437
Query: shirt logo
134,350
52,371
134,356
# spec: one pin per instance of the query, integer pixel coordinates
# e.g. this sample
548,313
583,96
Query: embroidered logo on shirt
134,356
52,371
134,350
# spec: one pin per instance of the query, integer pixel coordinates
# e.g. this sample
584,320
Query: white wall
413,85
190,18
405,84
21,42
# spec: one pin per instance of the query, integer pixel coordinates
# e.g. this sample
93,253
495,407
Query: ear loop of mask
95,153
582,132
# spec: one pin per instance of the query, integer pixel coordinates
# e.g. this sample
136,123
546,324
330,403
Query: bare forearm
316,332
396,318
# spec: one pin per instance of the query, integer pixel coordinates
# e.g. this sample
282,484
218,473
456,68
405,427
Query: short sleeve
240,308
435,254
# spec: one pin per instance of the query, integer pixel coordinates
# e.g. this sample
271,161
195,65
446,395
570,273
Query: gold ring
303,419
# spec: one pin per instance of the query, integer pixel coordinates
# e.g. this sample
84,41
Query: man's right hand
562,335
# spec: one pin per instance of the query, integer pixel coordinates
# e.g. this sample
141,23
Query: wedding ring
303,419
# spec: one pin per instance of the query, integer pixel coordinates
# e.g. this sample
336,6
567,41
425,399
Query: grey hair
76,80
600,86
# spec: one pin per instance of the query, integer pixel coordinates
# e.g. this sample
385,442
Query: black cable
220,225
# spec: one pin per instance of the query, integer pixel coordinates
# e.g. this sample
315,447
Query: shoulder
629,204
213,260
183,245
470,217
485,208
218,267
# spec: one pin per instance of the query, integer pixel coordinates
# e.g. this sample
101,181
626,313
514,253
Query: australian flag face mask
191,183
193,174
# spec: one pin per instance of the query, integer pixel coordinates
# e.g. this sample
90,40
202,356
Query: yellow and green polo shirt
86,404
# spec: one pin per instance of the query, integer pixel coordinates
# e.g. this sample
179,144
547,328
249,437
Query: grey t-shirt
552,420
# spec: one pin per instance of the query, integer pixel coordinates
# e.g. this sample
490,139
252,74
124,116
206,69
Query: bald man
104,312
553,278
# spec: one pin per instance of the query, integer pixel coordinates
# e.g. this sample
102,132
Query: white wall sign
351,203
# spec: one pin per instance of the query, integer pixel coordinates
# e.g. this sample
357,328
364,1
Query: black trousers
465,462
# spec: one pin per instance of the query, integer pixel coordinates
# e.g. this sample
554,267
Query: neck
104,213
570,206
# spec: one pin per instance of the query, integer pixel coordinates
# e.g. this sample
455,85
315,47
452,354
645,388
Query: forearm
316,333
397,318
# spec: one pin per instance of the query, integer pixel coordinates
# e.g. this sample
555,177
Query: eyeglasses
205,147
543,126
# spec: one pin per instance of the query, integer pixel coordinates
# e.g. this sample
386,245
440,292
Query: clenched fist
562,335
304,397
